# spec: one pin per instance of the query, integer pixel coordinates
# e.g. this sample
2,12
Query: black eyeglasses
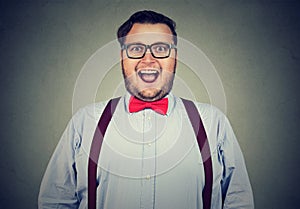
158,50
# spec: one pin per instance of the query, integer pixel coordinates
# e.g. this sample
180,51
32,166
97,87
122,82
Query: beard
153,93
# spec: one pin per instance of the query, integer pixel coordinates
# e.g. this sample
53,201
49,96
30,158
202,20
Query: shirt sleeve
236,188
58,187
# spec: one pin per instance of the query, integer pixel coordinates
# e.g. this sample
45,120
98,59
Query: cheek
169,65
129,66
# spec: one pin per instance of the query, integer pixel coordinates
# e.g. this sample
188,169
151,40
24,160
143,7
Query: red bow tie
160,106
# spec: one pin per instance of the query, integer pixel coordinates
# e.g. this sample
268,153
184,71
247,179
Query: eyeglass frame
171,46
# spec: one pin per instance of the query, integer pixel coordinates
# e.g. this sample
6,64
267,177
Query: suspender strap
95,150
204,150
98,139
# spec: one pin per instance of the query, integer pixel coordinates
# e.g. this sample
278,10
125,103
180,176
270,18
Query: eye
136,48
161,48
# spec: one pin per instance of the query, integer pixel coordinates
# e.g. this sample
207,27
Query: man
149,157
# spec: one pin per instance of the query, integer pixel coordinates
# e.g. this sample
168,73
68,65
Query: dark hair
145,17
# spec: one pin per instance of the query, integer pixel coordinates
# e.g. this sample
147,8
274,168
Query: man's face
149,78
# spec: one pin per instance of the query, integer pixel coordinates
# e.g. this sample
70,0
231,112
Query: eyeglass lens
158,50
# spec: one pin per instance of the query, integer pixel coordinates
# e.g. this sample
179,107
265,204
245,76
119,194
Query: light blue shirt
147,161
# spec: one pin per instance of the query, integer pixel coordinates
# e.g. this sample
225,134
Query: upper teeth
148,71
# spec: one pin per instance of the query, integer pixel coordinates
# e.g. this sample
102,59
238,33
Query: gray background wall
254,46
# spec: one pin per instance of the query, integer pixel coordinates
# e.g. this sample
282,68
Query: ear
175,55
121,54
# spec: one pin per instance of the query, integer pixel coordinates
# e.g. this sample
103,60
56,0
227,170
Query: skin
133,69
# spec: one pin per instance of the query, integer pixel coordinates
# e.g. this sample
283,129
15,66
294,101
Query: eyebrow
158,42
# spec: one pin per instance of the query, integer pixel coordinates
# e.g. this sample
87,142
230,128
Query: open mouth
148,76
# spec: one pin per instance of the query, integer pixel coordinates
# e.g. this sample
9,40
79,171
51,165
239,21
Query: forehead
149,33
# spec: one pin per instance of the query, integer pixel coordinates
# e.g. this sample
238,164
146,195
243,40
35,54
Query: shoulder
208,111
88,114
91,110
214,120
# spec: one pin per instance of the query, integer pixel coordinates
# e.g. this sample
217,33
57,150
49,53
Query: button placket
148,162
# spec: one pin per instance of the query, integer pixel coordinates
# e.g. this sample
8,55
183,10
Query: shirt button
149,144
148,177
149,118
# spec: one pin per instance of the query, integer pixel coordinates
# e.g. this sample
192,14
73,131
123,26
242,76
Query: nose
148,56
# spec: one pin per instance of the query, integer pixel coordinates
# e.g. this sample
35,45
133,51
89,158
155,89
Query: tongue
148,77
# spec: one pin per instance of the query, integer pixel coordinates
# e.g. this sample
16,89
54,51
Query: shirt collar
171,103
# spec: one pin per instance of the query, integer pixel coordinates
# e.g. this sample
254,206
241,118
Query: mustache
140,65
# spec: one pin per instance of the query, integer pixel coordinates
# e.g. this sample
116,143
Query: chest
150,154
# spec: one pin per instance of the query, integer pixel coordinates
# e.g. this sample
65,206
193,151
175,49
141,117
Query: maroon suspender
98,139
95,150
202,140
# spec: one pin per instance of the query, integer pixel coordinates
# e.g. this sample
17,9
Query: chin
151,95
